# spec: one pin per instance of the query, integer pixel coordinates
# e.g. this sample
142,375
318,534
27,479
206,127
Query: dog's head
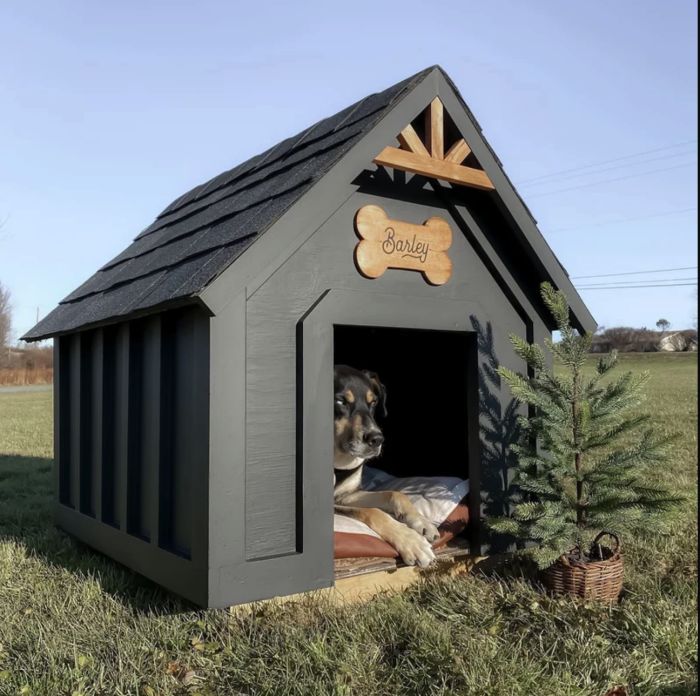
359,396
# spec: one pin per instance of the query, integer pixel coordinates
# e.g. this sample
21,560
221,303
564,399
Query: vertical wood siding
132,434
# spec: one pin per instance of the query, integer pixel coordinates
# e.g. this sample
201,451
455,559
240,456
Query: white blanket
435,497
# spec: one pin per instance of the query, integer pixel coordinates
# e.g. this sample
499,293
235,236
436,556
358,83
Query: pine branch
582,477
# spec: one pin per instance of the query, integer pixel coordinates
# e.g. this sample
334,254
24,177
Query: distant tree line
5,323
628,339
14,357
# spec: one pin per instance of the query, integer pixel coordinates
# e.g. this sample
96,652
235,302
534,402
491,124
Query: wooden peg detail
395,244
435,129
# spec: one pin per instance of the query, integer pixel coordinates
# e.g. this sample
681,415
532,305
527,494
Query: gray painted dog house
194,376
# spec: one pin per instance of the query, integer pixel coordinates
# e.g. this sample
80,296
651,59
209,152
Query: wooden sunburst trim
435,169
458,152
409,140
435,129
429,158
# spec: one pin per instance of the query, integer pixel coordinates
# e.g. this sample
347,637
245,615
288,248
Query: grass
73,622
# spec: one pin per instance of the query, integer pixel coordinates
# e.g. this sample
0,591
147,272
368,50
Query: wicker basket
598,580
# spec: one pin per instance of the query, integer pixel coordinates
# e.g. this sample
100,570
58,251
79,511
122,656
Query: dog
359,396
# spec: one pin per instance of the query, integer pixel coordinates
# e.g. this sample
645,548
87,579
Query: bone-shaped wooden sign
394,244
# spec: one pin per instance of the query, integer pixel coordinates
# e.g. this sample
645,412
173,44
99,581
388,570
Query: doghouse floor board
360,579
355,567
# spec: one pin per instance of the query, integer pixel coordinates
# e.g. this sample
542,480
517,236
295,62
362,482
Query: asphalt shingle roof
201,233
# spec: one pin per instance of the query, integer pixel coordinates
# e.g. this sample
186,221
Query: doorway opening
431,428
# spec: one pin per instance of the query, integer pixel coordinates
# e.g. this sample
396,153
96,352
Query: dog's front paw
414,549
423,526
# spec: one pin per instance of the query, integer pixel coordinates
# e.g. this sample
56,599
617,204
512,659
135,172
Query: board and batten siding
273,314
132,443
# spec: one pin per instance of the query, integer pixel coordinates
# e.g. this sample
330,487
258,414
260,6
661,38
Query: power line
609,181
634,287
612,161
609,169
620,222
633,282
629,273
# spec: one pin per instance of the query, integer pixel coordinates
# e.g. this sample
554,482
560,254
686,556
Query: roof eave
189,301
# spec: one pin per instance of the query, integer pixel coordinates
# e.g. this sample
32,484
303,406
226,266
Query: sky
109,111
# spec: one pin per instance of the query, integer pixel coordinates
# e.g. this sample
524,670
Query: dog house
194,372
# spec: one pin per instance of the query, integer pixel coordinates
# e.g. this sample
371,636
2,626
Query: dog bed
443,500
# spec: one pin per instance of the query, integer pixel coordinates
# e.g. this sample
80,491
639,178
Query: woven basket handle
618,543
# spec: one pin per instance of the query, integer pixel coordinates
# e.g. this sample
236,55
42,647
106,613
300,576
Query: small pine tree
578,473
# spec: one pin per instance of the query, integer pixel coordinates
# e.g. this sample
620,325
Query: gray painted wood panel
167,569
86,506
74,374
121,425
272,314
149,397
96,422
185,460
110,483
61,423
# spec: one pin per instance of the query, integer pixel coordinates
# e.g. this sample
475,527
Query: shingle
173,279
182,213
214,184
100,281
99,307
275,153
138,247
219,263
155,260
51,323
328,125
280,164
236,227
190,196
347,117
244,224
173,205
308,151
381,100
247,166
200,233
237,203
119,301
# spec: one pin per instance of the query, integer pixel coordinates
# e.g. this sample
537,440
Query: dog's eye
339,401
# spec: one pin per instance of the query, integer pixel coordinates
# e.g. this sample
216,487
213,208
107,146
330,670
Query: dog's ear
380,389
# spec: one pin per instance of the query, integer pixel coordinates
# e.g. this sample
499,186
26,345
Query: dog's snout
374,439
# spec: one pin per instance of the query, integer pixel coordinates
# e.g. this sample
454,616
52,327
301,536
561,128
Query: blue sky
108,111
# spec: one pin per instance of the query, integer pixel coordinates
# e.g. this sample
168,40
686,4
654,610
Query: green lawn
72,622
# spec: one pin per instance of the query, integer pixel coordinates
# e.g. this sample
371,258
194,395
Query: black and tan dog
358,395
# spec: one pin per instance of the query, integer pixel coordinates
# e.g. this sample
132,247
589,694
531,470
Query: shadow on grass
26,517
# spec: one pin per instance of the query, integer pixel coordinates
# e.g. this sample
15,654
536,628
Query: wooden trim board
433,168
368,581
458,152
409,140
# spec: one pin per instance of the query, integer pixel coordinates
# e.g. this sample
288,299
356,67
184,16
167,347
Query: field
24,377
72,622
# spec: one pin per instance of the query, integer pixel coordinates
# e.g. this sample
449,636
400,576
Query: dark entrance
429,377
